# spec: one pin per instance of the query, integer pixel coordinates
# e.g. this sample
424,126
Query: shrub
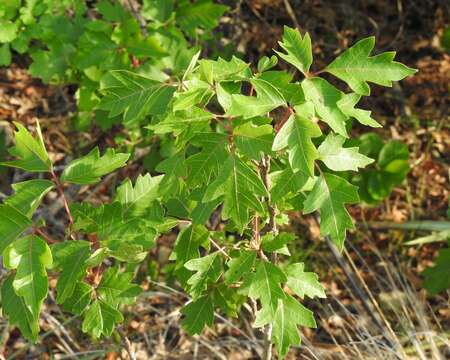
246,148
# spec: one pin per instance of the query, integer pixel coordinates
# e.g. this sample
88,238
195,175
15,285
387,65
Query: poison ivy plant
232,169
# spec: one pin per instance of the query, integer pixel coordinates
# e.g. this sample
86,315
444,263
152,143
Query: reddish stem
44,235
60,190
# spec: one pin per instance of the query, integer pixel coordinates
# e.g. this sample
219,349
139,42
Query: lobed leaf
329,196
298,50
30,256
31,153
357,68
90,168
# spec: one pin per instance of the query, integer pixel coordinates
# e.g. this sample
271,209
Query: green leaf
393,155
12,224
207,270
281,80
325,98
204,14
268,97
265,285
253,141
357,68
187,248
203,210
205,165
28,195
5,55
116,287
31,153
329,194
240,186
298,50
90,168
347,106
198,313
175,171
29,256
271,242
198,93
112,228
134,95
70,257
137,200
239,266
289,315
296,135
338,158
8,31
80,299
266,63
100,319
51,65
180,121
16,310
286,182
214,71
437,278
303,283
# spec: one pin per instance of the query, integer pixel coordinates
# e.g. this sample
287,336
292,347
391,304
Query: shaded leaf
239,266
207,270
70,257
240,186
198,313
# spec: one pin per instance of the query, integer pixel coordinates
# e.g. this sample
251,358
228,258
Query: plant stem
264,170
60,190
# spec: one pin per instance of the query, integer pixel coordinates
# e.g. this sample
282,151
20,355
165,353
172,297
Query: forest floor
376,307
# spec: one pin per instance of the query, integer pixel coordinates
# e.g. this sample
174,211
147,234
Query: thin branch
46,237
128,347
264,169
60,190
291,13
219,248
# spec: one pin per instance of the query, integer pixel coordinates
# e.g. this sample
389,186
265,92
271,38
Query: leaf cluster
235,168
